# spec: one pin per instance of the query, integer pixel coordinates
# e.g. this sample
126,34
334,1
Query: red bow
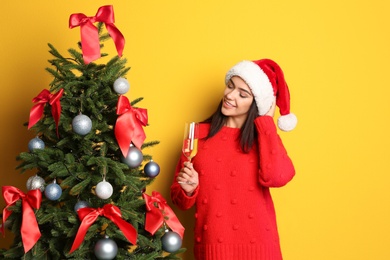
37,110
128,127
89,33
29,230
113,213
157,212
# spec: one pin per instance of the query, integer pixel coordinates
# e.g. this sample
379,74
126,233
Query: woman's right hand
188,178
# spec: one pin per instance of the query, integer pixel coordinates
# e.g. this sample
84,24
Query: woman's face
237,100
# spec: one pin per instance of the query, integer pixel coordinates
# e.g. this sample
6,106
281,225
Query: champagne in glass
190,140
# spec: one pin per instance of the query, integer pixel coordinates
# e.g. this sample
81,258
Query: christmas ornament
159,213
31,200
106,249
90,45
134,157
104,189
128,127
82,124
80,204
44,97
35,183
151,169
121,86
53,191
171,241
35,143
89,215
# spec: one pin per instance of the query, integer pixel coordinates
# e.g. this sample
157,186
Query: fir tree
79,162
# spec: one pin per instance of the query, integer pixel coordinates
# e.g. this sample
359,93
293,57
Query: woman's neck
234,122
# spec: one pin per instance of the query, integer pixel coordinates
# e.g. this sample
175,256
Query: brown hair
248,132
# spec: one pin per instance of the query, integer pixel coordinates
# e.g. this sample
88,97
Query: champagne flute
190,142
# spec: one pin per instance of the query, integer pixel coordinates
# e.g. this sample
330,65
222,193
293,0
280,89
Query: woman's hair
248,132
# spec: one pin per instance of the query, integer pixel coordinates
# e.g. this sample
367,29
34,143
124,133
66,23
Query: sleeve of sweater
178,195
276,167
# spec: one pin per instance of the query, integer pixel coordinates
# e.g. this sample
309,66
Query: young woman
240,156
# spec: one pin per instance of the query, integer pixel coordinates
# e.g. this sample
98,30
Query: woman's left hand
271,111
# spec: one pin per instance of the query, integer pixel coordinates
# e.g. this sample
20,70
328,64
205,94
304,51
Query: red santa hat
266,80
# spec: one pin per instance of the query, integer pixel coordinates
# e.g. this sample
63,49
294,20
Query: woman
240,156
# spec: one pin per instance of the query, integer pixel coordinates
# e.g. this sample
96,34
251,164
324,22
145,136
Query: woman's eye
244,95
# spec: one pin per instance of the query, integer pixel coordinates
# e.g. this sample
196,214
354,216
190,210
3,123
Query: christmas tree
87,198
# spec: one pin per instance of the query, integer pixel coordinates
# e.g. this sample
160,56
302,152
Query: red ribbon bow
89,33
37,110
157,211
128,127
29,230
89,215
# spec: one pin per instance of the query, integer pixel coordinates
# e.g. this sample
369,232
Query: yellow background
335,55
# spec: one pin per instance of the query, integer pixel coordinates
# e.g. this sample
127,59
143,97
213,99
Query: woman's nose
230,94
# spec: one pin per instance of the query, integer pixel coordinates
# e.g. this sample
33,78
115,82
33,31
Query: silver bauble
53,191
171,241
80,204
103,190
106,249
82,124
151,169
121,86
36,143
134,157
35,183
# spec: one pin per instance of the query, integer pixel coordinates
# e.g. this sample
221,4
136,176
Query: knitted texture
235,216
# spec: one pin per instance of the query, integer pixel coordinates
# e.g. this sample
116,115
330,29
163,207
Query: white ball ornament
134,157
36,143
104,189
106,249
82,124
35,183
121,86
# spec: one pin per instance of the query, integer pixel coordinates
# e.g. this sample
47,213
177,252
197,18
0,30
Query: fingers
271,111
187,175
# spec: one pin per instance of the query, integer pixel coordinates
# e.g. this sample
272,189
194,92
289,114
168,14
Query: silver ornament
121,86
171,241
35,183
134,157
35,143
53,191
151,169
103,189
105,249
82,124
80,204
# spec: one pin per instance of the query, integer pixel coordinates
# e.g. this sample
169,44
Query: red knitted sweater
235,216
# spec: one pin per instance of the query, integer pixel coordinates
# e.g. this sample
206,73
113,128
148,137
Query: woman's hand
188,178
271,111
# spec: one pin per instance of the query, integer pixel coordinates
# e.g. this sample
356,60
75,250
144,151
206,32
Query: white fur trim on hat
257,80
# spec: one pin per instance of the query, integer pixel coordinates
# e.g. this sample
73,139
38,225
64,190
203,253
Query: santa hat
266,80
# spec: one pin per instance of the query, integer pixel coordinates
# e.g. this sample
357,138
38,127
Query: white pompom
287,122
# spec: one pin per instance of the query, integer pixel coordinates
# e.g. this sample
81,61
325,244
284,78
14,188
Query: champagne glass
190,140
190,143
